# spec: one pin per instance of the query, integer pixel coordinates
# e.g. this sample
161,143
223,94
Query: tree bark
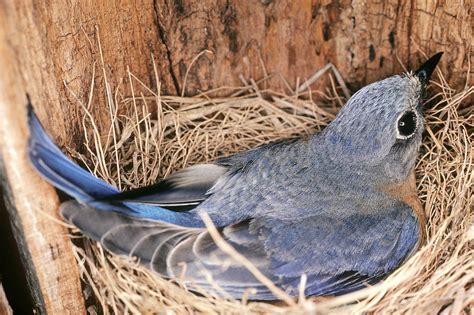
295,38
49,49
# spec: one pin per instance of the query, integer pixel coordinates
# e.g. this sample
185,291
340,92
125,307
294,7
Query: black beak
426,69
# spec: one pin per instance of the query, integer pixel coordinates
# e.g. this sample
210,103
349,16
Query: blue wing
165,248
337,257
340,254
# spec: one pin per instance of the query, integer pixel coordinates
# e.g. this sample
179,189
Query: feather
183,190
165,247
53,165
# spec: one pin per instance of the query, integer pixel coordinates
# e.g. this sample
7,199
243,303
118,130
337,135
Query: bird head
381,126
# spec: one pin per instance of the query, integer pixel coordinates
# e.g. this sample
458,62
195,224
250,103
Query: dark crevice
21,285
371,52
228,19
164,40
391,39
12,273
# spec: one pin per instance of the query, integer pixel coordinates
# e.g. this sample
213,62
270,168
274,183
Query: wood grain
45,249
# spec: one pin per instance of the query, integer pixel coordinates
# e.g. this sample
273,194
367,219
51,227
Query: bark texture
366,40
50,50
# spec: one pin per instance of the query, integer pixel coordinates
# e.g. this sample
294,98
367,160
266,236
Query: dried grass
139,148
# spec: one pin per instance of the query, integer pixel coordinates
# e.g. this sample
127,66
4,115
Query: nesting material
139,147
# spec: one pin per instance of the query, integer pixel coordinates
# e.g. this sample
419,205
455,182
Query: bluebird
340,206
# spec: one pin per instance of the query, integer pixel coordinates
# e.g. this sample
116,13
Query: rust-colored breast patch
407,193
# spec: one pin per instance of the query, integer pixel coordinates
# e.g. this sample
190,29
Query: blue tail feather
61,171
80,184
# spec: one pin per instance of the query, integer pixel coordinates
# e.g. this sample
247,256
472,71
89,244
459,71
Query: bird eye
407,125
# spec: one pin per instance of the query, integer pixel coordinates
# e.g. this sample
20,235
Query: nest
161,134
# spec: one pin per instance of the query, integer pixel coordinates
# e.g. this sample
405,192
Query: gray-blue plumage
323,206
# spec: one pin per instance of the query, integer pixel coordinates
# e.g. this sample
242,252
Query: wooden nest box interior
64,53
